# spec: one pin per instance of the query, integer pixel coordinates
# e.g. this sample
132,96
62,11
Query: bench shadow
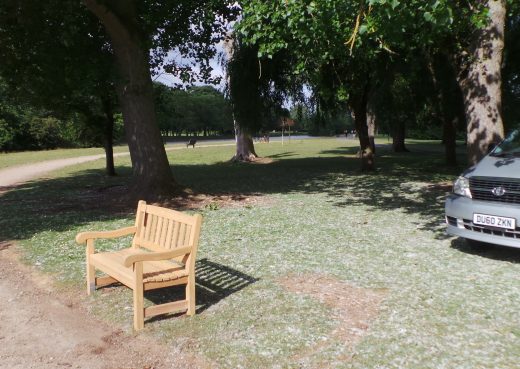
214,282
487,250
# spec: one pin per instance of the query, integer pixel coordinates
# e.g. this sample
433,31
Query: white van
485,203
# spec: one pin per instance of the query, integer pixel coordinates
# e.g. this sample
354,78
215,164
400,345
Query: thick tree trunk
245,148
151,170
481,84
359,106
109,137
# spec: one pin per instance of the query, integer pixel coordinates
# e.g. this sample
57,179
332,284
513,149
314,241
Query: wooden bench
162,254
191,142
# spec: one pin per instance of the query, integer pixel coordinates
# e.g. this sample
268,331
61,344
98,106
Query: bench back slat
160,229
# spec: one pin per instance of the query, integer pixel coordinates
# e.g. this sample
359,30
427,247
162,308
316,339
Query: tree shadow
281,155
487,250
63,203
342,151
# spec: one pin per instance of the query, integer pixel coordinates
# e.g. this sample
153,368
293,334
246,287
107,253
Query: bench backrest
161,229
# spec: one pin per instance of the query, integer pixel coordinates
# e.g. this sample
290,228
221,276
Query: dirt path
15,175
41,328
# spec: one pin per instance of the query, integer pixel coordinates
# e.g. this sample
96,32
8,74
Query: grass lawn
318,265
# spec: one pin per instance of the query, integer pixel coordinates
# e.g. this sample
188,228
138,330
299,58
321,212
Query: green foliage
23,127
258,86
6,134
50,73
190,28
316,123
197,109
340,46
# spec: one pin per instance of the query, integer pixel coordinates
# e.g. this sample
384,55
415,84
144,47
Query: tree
256,88
316,34
511,72
449,104
243,90
50,73
212,110
481,81
142,34
471,34
338,43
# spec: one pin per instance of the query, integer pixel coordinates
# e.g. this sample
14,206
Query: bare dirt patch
113,198
42,326
354,308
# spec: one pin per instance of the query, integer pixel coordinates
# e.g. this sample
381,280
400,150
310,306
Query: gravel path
22,173
18,174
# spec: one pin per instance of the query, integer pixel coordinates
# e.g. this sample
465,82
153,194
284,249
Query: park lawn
312,244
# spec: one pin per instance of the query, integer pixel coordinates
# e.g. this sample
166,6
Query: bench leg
190,295
138,297
91,271
91,279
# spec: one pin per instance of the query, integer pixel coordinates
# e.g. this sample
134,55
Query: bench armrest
157,255
84,236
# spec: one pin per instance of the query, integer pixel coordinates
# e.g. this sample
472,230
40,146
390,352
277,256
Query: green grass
446,305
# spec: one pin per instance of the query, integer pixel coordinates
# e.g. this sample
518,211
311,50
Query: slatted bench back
160,229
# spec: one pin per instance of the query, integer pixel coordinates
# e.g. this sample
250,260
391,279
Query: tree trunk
449,133
481,84
245,147
449,103
371,125
152,174
398,136
359,106
109,137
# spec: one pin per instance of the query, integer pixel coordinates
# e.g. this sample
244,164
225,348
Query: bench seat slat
153,271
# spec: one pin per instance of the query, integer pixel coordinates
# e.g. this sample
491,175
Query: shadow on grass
342,151
214,282
61,203
488,251
66,202
282,155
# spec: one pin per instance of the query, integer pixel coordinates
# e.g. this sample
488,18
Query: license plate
494,221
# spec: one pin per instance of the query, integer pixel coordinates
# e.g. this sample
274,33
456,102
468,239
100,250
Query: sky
218,71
